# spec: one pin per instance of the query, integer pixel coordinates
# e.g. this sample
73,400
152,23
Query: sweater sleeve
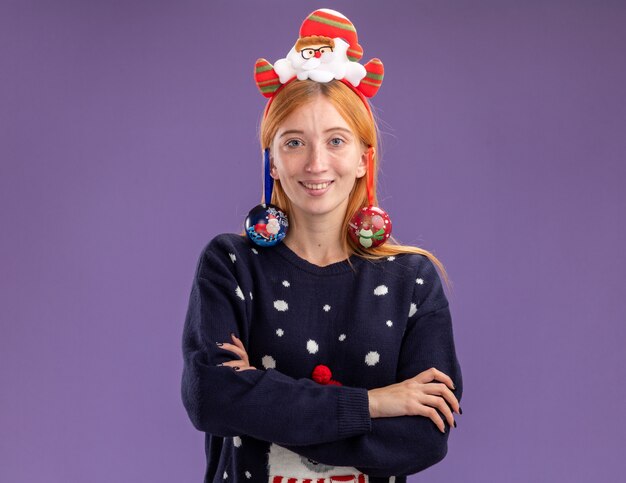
408,444
264,404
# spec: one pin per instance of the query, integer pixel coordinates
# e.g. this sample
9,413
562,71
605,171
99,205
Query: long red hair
297,94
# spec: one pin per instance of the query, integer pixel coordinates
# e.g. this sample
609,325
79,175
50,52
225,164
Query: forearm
395,446
405,444
270,406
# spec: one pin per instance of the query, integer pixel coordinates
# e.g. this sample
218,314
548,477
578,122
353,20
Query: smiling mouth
319,186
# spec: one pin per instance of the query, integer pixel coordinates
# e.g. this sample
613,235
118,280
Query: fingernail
236,368
460,410
455,423
221,364
219,344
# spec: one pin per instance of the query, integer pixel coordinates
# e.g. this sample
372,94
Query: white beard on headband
329,66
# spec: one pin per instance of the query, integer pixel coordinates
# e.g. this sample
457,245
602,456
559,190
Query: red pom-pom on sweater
322,374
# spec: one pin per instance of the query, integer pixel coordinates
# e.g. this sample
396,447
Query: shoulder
406,265
428,287
224,249
418,271
225,242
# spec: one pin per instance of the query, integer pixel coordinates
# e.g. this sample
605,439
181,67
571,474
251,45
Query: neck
317,239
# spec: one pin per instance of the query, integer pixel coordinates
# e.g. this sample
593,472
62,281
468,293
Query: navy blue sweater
373,324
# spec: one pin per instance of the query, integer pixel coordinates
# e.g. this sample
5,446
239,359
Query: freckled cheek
292,164
290,173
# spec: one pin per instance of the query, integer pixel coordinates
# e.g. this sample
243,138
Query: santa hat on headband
330,23
327,49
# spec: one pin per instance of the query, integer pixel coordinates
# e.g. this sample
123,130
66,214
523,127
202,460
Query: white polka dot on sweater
239,293
254,250
248,474
391,259
232,257
236,441
280,305
342,337
250,295
372,358
326,307
412,310
312,346
268,362
280,332
381,290
286,283
419,281
225,475
389,323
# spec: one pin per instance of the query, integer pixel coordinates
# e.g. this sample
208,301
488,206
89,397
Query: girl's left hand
237,347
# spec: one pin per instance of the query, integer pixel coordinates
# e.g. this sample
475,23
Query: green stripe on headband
334,23
269,88
371,75
264,68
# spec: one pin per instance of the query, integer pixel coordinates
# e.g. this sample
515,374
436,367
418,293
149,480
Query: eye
291,142
337,141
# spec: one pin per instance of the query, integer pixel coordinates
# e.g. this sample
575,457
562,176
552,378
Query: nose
317,161
318,54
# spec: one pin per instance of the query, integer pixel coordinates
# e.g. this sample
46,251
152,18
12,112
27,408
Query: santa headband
327,49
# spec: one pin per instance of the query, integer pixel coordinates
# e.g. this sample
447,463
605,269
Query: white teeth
316,186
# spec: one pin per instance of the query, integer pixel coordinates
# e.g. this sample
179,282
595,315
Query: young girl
328,356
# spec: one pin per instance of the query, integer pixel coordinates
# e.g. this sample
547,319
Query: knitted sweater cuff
354,412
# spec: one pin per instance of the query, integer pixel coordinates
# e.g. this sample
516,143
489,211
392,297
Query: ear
273,170
362,167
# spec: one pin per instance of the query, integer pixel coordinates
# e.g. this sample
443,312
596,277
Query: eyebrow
295,131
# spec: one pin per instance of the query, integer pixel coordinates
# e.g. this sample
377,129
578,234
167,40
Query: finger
443,391
434,374
233,348
239,344
440,403
237,341
248,368
434,415
238,364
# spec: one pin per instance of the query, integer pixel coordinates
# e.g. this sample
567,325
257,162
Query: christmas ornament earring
266,225
370,226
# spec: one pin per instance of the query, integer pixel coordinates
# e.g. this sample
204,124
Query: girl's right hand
416,396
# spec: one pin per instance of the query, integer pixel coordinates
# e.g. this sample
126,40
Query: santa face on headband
320,59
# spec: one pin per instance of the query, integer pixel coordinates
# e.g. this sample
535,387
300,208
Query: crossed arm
383,432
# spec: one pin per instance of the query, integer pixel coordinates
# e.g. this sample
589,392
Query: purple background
128,139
